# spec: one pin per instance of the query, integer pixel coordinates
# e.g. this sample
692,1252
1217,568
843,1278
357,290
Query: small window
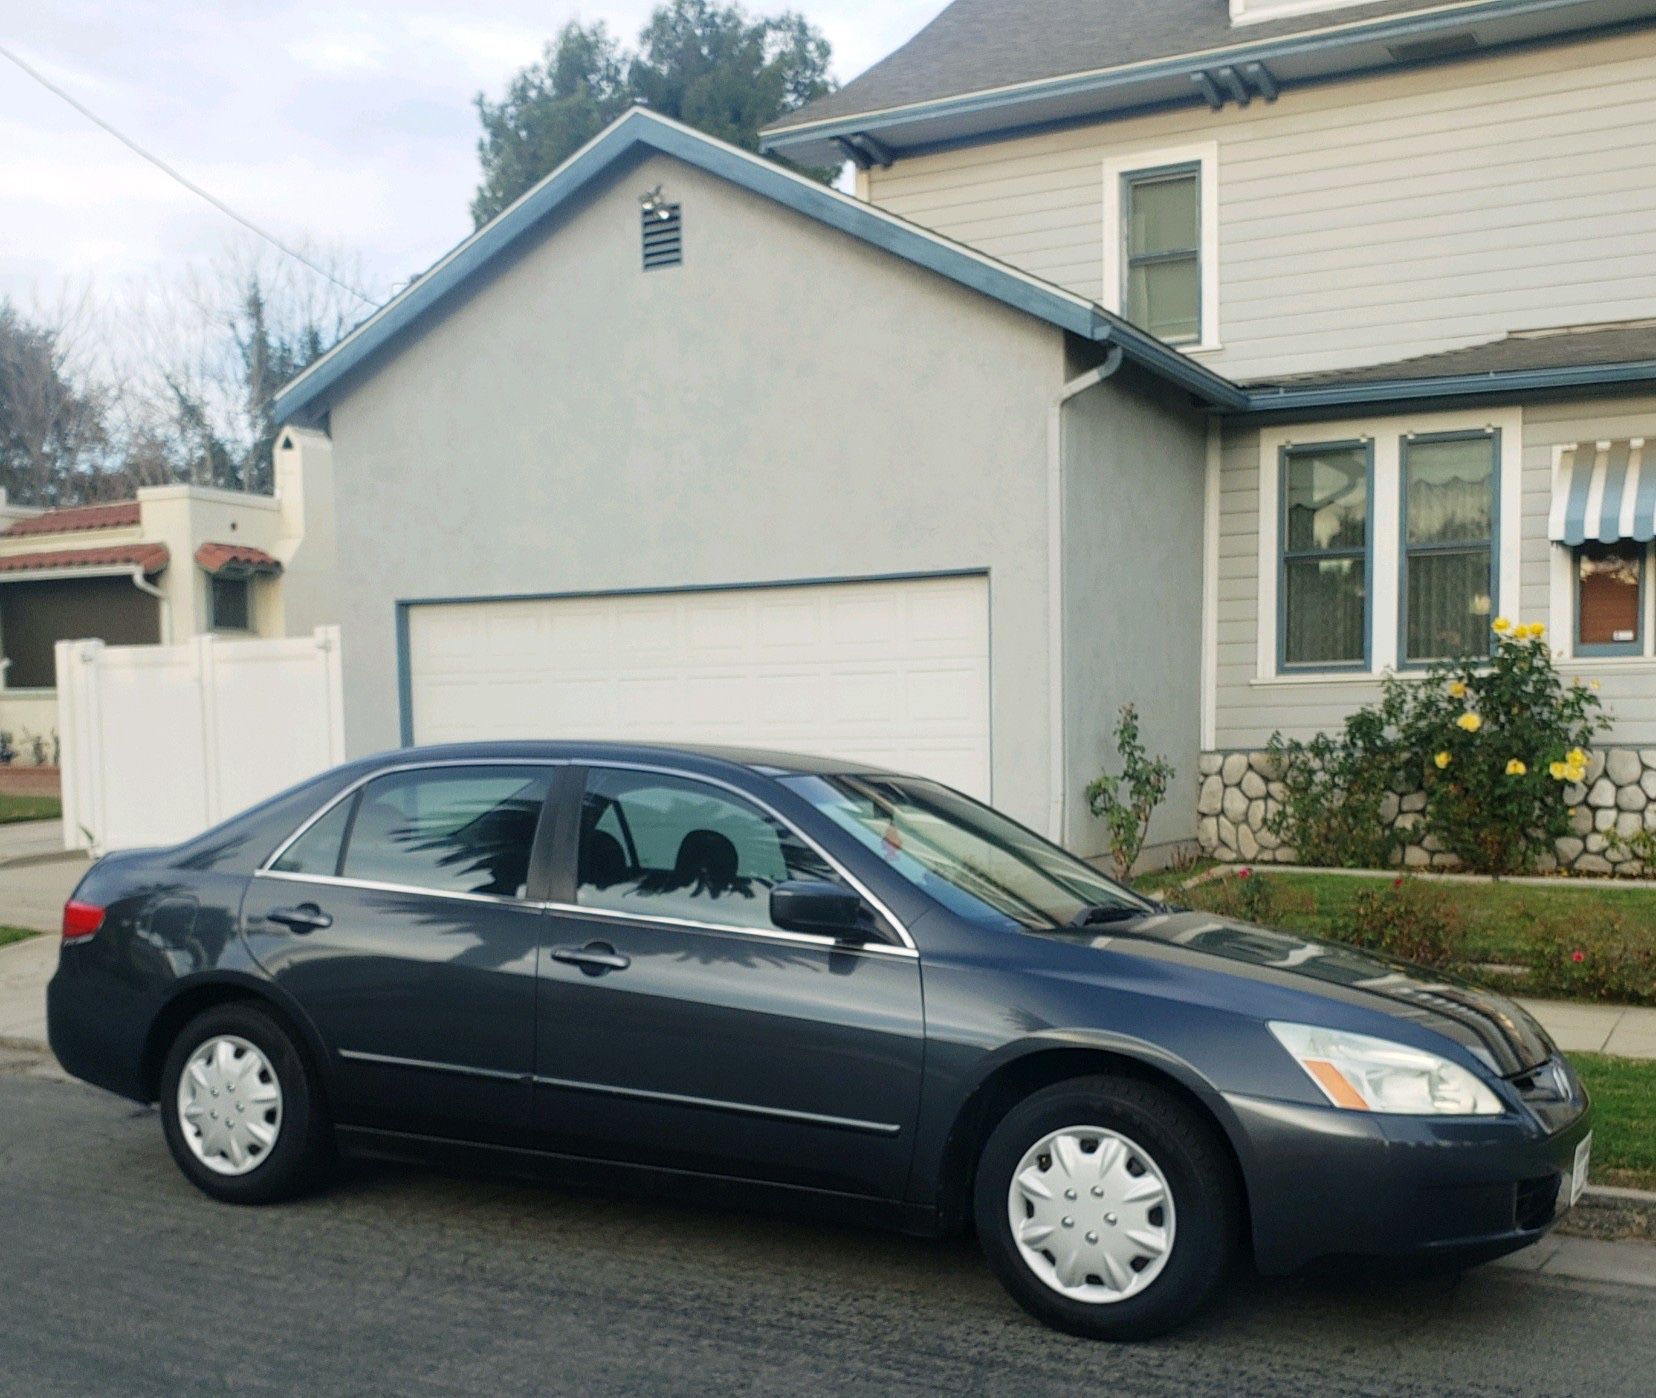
317,850
1162,233
1325,556
1449,486
459,830
230,600
1610,598
660,846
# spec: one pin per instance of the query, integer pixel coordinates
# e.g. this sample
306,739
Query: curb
1612,1213
25,861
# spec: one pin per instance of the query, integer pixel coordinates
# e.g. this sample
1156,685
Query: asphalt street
116,1277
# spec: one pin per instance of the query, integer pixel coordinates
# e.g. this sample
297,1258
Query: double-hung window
1325,556
1162,228
1450,484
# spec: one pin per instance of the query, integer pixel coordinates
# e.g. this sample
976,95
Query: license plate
1578,1173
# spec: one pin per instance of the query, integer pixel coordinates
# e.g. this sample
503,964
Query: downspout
143,584
1057,777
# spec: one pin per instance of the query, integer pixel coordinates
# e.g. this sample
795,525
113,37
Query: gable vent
663,227
1444,46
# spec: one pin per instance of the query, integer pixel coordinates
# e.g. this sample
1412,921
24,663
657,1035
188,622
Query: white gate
161,742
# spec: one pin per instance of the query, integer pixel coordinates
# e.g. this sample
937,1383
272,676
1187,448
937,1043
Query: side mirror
822,909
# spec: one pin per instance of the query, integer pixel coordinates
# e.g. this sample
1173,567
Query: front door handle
594,959
307,917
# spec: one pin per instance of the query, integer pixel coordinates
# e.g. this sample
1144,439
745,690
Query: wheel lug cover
1098,1191
1069,1194
1092,1238
1110,1219
1069,1222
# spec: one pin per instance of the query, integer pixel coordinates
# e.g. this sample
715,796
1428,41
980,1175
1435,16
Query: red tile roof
215,558
152,558
119,514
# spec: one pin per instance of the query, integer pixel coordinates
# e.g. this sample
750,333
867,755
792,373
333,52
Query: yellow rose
1575,774
1470,722
1558,772
1515,768
1457,689
1576,757
1538,629
1443,760
1502,626
1593,685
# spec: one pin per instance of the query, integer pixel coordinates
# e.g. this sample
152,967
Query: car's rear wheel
241,1112
1107,1207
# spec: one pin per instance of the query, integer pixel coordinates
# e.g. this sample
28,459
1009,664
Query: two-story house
1215,356
1421,235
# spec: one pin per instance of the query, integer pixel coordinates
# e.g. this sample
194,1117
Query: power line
184,180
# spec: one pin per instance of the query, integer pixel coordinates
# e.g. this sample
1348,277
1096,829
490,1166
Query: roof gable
641,133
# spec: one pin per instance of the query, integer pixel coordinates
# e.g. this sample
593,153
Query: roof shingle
152,558
215,558
118,514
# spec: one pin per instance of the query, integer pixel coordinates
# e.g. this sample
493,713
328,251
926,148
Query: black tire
1186,1148
303,1151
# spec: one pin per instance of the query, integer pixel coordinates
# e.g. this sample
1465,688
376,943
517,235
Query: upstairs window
1449,493
1161,253
1163,230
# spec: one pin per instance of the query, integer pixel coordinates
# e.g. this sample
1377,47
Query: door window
660,846
317,851
455,830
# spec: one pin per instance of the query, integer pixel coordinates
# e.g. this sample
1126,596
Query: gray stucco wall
789,404
1134,474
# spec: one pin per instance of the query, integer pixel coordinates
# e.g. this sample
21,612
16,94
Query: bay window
1449,510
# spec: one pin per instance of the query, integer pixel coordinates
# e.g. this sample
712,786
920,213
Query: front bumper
1324,1182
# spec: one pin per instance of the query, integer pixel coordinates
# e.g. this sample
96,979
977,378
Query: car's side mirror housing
821,909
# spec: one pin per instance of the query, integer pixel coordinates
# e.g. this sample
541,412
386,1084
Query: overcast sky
347,124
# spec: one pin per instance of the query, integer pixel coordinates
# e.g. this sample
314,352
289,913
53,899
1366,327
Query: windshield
971,859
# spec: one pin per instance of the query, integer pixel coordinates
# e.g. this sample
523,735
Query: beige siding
1362,221
1249,709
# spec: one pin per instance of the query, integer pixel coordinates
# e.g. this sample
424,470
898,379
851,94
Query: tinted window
668,847
461,830
317,850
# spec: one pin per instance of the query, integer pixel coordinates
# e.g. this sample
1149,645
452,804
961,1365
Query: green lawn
8,935
1571,938
13,808
1624,1131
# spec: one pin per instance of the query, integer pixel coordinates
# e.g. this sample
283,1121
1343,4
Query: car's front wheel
1107,1207
241,1112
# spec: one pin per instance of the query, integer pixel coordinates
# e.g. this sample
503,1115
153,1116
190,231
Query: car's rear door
679,1027
406,922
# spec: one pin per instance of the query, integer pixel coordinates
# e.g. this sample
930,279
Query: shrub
1243,895
1619,965
1640,847
1127,816
1408,920
1334,790
1497,743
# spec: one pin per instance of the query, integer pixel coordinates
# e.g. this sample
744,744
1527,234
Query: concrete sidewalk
25,967
33,892
32,841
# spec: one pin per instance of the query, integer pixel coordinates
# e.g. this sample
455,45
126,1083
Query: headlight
1375,1075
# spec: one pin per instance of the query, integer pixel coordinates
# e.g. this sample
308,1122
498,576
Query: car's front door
406,923
679,1027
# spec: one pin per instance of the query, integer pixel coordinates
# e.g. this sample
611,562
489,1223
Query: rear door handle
595,959
307,917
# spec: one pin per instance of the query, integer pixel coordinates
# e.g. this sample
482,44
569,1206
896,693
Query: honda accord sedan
772,979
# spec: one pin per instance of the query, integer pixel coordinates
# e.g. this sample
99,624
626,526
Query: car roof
692,756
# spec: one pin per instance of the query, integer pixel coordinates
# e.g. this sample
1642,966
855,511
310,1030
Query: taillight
80,920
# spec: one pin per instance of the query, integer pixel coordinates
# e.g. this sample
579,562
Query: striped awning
1605,492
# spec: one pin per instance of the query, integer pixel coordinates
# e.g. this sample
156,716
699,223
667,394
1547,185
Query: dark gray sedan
784,981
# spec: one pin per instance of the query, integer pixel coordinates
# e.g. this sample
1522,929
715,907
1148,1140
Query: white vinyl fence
161,742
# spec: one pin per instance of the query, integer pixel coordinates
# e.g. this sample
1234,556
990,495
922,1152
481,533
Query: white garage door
892,673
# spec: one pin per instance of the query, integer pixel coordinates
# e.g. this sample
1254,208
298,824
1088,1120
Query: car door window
317,851
459,830
661,846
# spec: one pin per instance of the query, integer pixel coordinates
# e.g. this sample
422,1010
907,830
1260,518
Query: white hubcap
229,1105
1092,1214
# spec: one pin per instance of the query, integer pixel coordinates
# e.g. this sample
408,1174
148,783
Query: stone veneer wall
1239,794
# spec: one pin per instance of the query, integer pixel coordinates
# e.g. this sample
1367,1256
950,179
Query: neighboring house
176,561
869,475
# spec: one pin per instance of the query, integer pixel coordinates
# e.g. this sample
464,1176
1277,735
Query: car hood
1492,1026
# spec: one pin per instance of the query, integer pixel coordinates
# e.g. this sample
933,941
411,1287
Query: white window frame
1205,156
1387,435
1561,594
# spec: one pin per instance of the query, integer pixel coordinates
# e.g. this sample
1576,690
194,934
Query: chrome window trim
839,868
498,900
908,947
